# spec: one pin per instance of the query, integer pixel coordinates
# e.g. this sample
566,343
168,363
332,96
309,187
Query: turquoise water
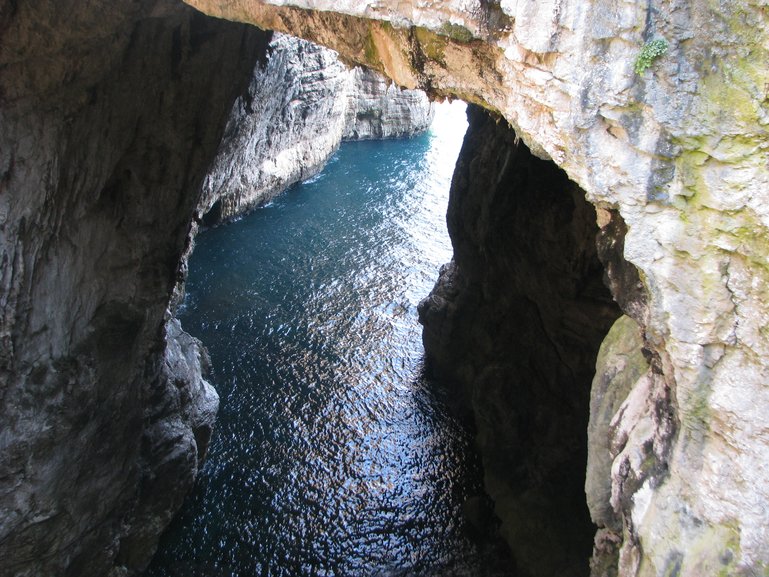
333,454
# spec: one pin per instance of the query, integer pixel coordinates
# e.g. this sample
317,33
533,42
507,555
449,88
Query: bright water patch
332,454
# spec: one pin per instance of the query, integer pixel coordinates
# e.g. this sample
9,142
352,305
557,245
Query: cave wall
110,115
515,323
677,151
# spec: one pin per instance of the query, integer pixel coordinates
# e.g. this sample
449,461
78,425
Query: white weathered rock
681,151
282,131
300,105
619,367
377,108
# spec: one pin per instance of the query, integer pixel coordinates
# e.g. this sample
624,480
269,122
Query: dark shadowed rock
111,114
515,323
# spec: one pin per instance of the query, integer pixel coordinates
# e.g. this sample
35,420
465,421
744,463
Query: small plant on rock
649,53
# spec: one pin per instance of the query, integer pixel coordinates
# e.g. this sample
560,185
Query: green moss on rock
432,45
370,51
455,32
649,53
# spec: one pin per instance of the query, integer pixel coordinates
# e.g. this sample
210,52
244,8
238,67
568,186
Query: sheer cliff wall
110,115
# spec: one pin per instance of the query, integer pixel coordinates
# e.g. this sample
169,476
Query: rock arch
679,151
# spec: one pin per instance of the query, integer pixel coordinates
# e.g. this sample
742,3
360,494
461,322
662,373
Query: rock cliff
377,108
110,115
299,106
515,322
659,111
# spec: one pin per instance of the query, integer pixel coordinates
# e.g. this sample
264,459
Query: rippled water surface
332,455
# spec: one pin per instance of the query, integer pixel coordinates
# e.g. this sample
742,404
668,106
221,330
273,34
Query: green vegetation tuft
649,53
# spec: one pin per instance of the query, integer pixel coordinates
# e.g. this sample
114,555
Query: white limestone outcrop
300,105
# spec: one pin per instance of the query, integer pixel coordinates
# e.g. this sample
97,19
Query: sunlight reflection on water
332,454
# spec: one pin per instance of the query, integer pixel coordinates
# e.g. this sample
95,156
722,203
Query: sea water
333,454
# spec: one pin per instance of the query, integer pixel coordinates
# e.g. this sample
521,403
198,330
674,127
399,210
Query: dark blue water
333,455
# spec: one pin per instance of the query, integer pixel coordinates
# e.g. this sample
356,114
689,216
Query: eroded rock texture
516,321
299,106
110,114
377,108
678,152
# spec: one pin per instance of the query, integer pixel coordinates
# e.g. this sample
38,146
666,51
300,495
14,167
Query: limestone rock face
299,106
110,115
619,365
377,108
679,152
281,131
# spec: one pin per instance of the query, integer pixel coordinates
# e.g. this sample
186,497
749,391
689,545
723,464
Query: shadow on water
333,454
